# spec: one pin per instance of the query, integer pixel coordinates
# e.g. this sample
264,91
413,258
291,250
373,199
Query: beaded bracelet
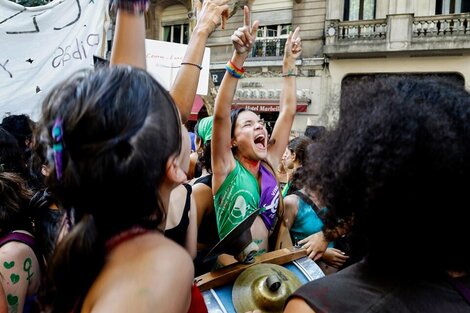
234,70
193,64
131,6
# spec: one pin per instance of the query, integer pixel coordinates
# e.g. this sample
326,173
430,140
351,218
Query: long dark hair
119,128
14,200
233,119
298,145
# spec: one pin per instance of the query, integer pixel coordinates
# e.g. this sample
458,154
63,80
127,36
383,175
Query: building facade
386,37
340,38
260,89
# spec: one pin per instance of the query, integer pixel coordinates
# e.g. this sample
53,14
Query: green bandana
204,128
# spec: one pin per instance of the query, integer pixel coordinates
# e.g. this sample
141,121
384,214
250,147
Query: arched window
452,6
355,10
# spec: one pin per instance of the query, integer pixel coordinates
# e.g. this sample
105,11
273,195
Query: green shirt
236,199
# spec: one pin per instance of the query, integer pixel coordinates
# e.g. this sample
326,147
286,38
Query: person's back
115,164
145,270
395,163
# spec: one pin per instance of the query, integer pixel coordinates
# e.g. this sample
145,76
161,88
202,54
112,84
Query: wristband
234,70
131,6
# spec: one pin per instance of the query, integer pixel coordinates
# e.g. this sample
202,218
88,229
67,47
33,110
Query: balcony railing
372,29
268,47
441,25
398,33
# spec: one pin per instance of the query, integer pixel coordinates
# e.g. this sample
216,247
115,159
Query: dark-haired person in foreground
398,162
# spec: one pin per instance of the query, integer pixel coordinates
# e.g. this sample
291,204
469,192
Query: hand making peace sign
293,47
244,37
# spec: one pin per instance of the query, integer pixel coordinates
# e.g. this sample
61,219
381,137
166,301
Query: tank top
236,199
207,231
306,222
178,233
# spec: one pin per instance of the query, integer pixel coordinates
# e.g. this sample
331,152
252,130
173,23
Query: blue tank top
306,222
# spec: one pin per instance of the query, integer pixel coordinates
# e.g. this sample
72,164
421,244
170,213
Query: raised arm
129,37
184,87
223,161
288,102
129,45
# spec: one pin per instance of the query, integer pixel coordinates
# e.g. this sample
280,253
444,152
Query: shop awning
197,105
265,106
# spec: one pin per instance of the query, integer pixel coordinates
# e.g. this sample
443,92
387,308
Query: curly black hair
399,162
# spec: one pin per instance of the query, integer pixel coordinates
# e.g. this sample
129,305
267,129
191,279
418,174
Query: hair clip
57,146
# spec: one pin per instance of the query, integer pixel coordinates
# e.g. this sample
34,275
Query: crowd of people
106,207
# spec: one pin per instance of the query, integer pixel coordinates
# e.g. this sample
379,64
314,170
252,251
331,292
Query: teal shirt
237,197
306,222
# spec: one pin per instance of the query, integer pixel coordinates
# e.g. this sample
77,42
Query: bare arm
129,40
291,207
3,302
129,48
184,87
19,274
297,305
288,102
223,161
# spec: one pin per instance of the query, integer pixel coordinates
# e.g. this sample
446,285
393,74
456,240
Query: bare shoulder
147,274
18,253
157,254
201,188
291,201
14,249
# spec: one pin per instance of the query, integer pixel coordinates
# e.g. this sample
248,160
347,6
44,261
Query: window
355,10
452,6
271,40
176,33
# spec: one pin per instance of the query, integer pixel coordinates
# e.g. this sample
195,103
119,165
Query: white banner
41,46
164,61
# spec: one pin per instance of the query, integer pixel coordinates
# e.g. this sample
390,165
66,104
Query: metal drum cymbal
263,287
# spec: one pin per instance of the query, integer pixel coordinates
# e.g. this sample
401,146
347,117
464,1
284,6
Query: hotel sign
266,107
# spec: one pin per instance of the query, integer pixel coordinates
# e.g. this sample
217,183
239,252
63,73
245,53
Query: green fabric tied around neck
204,128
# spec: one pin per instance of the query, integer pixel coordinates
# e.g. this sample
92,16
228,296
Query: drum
219,299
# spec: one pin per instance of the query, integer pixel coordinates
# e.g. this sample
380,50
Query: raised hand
293,47
211,13
244,37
